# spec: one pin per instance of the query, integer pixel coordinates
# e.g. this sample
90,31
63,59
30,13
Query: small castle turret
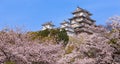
48,25
67,26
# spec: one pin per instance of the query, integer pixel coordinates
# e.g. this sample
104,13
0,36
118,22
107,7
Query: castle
81,22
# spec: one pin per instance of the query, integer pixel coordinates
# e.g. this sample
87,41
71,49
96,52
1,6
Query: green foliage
62,36
57,35
39,34
113,41
44,33
41,62
54,32
92,52
69,49
9,62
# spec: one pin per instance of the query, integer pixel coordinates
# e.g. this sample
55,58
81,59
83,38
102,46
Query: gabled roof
48,23
82,17
65,22
80,10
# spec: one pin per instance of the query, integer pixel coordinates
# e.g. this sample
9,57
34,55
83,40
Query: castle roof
83,30
82,17
48,23
65,22
80,10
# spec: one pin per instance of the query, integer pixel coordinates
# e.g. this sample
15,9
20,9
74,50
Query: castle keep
48,25
81,21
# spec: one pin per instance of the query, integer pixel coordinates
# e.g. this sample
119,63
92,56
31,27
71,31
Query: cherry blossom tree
101,47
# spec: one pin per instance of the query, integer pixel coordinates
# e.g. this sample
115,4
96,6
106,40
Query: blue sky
30,14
